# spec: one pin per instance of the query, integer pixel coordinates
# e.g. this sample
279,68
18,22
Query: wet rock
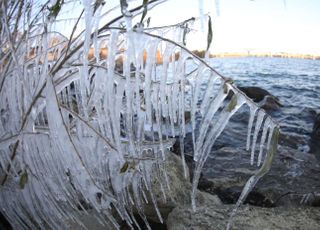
261,96
291,178
230,195
292,140
314,142
310,112
270,103
153,225
257,94
248,217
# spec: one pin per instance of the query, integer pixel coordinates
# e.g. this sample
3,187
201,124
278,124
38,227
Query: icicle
255,178
253,110
201,14
84,70
214,133
271,129
88,23
163,80
263,138
128,56
217,7
139,100
95,35
157,108
220,124
208,93
182,118
150,62
171,113
182,97
204,126
258,124
195,96
112,105
136,195
175,91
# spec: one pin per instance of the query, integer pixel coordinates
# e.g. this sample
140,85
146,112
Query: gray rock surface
314,142
264,99
248,217
179,193
294,176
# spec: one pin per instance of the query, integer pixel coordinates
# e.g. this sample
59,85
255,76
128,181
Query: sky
291,26
261,26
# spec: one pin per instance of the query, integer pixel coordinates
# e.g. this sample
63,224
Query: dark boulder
314,142
316,127
257,94
270,103
261,96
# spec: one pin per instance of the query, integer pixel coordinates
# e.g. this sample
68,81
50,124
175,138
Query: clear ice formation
86,133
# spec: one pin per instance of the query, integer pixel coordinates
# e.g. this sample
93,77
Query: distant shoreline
201,54
273,55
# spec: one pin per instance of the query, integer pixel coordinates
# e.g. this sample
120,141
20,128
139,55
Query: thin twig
15,30
173,25
89,126
72,33
13,155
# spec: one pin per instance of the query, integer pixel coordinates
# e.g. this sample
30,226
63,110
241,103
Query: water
296,82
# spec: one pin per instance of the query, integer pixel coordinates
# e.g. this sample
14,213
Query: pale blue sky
261,25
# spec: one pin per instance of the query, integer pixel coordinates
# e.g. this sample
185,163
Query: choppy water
296,82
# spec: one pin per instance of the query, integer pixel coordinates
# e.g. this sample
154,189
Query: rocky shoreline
286,198
283,199
269,206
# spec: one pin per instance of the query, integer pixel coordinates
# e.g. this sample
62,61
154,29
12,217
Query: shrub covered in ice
87,115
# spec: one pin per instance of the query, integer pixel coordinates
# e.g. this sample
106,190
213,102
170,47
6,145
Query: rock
292,140
89,221
314,142
291,178
248,217
257,94
261,96
180,191
270,103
